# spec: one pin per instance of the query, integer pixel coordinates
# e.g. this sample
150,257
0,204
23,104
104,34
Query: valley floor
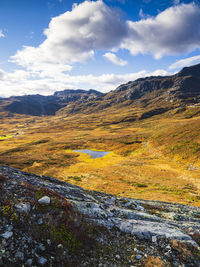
156,158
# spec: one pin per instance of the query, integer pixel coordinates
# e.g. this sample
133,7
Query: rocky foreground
46,222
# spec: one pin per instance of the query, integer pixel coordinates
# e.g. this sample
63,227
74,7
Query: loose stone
45,200
7,234
138,257
42,260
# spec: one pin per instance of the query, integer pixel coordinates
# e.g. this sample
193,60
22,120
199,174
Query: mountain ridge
38,105
157,92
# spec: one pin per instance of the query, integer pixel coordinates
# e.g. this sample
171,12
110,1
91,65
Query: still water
92,153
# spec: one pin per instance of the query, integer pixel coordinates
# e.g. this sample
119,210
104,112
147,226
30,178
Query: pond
92,153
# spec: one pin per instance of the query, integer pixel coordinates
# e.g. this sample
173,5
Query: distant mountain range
38,105
156,94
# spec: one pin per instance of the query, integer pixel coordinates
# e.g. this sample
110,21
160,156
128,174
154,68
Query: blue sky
50,45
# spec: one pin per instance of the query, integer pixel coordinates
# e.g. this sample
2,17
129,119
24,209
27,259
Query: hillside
153,141
46,222
155,95
38,105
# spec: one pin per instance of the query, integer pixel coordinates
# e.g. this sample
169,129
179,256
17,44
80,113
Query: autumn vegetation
155,158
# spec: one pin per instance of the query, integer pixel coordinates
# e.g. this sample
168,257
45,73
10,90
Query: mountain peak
192,70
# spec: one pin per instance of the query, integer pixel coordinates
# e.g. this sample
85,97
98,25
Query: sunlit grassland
156,158
3,137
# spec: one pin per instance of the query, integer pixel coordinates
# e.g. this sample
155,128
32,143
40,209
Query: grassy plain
156,158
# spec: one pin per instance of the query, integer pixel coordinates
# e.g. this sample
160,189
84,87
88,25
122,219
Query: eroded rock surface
89,228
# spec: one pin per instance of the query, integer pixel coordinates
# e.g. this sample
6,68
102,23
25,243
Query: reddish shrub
2,178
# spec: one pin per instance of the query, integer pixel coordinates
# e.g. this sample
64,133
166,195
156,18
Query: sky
52,45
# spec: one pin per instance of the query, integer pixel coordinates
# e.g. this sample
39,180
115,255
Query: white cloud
21,82
115,60
185,62
173,31
74,36
1,34
91,26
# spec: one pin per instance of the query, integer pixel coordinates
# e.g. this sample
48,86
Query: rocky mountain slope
183,86
156,94
38,105
45,222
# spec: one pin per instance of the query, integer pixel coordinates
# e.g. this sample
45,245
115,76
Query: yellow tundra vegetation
156,158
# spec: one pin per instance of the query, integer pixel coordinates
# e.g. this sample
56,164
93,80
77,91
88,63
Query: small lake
92,153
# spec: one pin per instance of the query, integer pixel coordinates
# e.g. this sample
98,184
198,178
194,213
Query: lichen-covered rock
23,207
46,222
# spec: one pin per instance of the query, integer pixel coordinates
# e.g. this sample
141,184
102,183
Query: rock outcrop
46,222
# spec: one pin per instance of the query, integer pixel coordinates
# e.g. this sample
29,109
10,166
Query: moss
75,178
61,234
39,194
7,210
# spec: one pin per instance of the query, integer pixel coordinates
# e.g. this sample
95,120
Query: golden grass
157,158
3,137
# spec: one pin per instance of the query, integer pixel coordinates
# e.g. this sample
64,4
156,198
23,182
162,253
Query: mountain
153,95
182,87
35,105
46,222
38,105
156,94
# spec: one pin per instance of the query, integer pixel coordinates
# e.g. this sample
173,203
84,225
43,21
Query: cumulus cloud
185,62
74,36
21,82
173,31
1,34
115,60
91,26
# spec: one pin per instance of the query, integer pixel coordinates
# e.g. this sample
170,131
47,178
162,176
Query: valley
156,158
100,133
150,127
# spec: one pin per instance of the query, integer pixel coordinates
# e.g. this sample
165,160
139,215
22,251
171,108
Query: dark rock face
38,105
74,95
184,86
153,112
35,105
190,71
46,222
